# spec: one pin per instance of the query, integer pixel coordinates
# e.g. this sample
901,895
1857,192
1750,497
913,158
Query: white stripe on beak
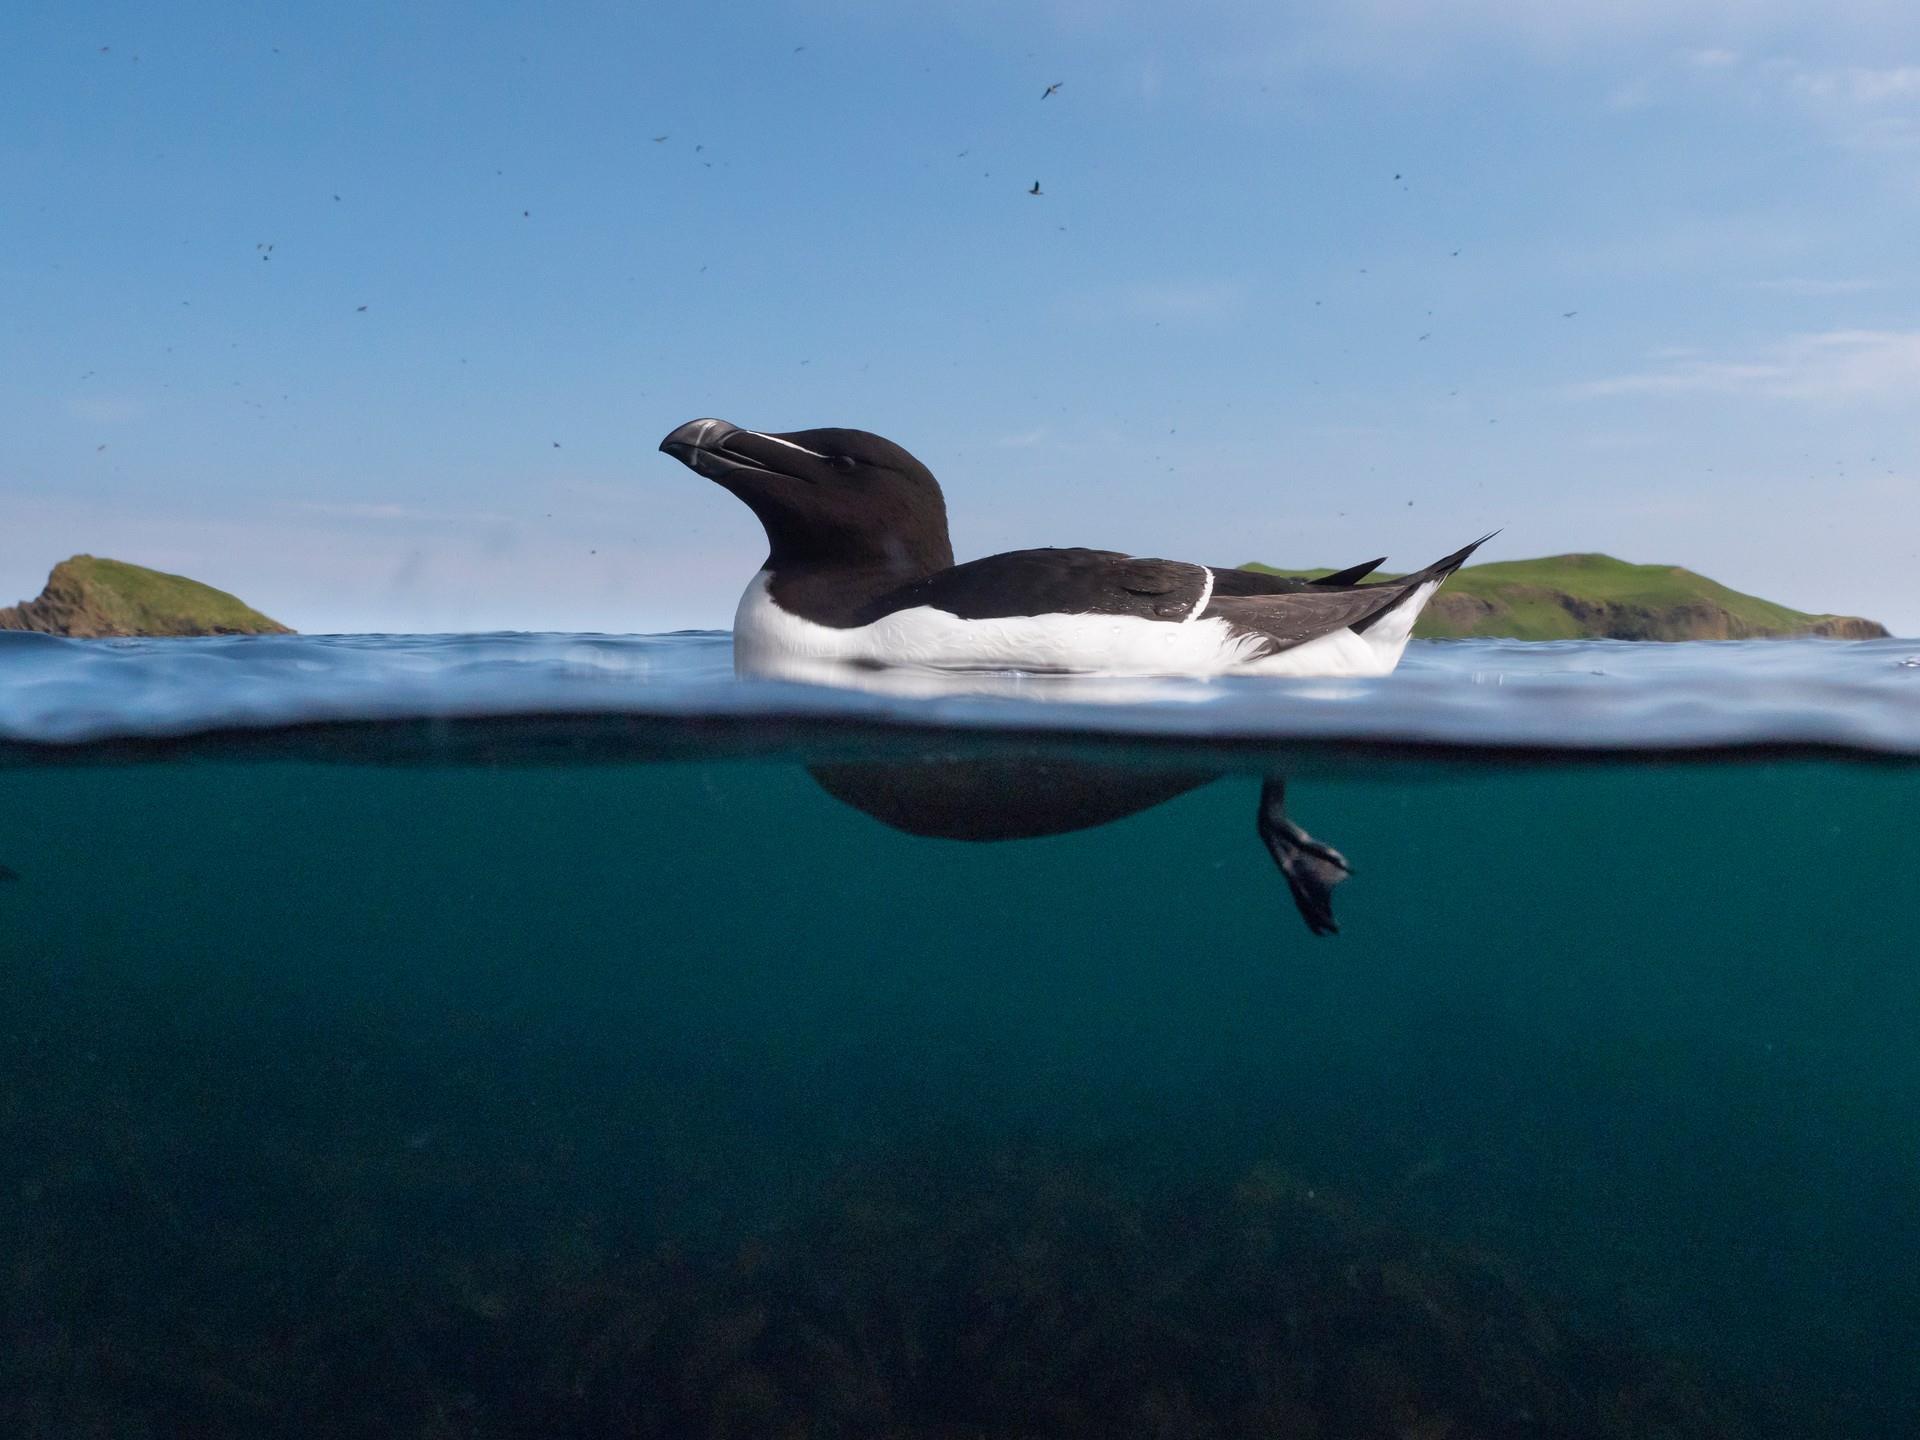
775,439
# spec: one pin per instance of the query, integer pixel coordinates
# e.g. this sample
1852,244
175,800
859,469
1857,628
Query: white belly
772,642
1373,651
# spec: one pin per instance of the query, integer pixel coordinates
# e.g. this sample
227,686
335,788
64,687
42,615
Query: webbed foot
1311,868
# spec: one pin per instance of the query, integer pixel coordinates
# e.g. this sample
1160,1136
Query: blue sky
1297,287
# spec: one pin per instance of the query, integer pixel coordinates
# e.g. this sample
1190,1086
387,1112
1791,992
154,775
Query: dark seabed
505,1036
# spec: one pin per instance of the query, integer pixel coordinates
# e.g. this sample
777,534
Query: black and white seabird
860,572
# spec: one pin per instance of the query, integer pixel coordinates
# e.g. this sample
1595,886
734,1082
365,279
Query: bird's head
825,497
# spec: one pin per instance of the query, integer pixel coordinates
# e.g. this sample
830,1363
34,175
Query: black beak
698,444
725,453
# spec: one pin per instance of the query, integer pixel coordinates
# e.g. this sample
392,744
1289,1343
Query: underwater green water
679,1098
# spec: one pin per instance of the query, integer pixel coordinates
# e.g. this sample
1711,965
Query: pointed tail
1419,587
1442,568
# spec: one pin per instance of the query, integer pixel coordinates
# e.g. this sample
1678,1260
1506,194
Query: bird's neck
842,593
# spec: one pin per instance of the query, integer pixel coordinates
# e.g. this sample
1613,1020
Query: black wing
1054,582
1284,620
1228,581
1353,574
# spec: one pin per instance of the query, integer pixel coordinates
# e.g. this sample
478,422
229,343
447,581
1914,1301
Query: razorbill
860,572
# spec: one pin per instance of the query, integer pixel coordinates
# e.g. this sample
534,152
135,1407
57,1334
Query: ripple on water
1598,696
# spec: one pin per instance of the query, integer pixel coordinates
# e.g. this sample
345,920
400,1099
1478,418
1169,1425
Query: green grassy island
90,597
1573,597
1560,597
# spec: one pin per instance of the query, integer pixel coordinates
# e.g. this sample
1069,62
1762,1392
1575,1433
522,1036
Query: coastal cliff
1572,597
91,597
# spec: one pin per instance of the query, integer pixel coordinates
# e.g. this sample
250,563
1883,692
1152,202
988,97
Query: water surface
506,1035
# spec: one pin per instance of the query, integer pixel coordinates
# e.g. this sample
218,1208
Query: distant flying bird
359,309
336,197
1568,314
1058,83
1036,188
556,444
98,448
661,139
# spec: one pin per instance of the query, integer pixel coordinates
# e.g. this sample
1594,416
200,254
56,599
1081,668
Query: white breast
769,641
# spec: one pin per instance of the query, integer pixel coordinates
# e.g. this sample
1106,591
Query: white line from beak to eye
775,439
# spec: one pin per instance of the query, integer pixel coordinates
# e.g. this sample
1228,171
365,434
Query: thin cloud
1633,95
109,409
1865,108
382,511
1022,440
1861,85
1809,286
359,511
1719,33
1249,38
1830,367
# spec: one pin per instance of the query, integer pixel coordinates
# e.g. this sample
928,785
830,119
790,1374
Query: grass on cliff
1526,596
143,601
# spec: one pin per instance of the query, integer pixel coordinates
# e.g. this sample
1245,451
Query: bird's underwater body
860,575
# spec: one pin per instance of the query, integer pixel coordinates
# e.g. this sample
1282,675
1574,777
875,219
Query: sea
559,1036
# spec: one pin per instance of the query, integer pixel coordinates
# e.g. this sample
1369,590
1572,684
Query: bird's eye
840,462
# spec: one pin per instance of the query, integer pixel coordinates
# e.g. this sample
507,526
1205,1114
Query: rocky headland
1596,597
90,597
